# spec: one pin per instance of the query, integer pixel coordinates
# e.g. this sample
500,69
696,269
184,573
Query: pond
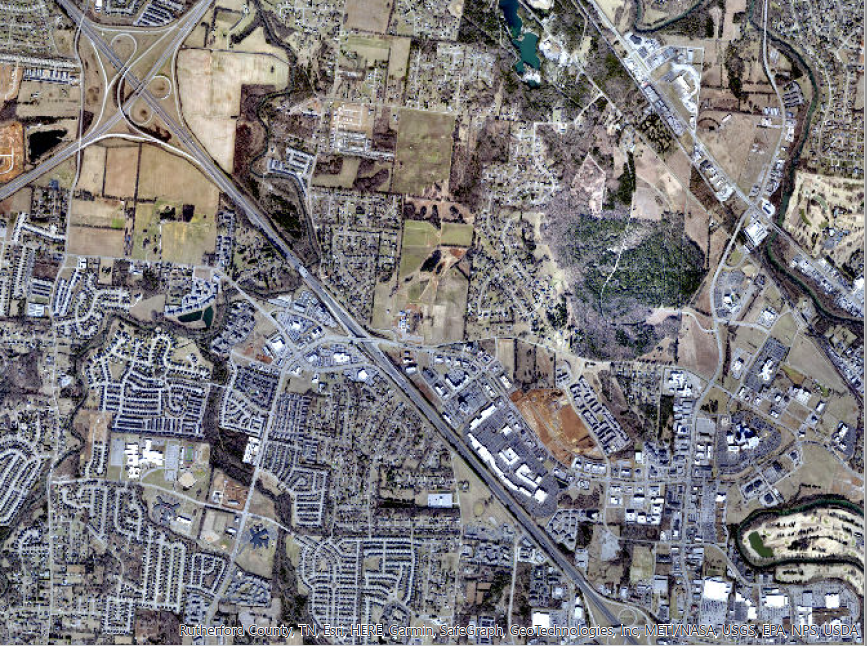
190,317
42,141
199,315
528,46
510,12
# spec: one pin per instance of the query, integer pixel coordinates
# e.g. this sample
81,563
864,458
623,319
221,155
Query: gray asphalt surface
363,338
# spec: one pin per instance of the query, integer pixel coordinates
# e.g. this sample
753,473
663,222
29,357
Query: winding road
360,336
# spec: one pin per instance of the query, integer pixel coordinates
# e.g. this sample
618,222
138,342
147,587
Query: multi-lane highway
100,130
605,25
361,336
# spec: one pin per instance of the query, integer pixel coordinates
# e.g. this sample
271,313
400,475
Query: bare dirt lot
697,350
11,151
553,419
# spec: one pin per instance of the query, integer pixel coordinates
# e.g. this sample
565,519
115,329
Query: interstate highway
183,29
226,185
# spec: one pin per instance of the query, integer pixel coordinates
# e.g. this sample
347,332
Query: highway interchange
359,335
101,130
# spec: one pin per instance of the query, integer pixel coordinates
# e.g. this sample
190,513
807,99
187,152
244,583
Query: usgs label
363,632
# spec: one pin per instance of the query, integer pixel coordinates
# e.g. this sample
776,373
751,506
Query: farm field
92,169
90,241
729,136
456,235
421,238
121,164
429,286
419,241
187,242
167,177
99,212
366,50
368,15
98,224
146,233
174,212
424,151
210,83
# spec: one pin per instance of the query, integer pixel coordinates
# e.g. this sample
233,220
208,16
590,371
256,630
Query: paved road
258,218
183,30
754,204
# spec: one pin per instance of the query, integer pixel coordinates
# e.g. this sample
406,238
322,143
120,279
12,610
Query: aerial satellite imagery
432,322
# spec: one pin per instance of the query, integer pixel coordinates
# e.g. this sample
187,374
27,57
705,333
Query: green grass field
457,235
759,546
419,240
418,233
424,151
